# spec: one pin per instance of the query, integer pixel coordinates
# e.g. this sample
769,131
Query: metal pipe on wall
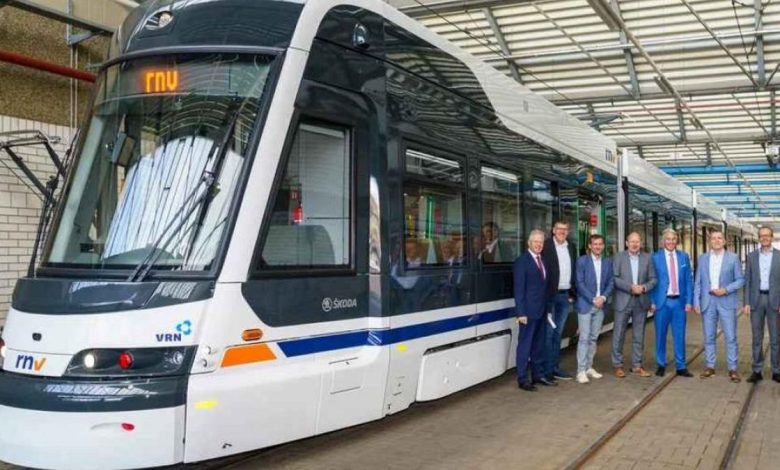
31,62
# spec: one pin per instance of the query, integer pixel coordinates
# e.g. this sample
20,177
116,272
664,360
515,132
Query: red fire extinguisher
297,211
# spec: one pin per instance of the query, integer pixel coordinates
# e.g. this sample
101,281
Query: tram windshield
160,163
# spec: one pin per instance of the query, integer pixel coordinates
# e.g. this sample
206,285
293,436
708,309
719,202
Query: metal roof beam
615,50
681,121
720,43
414,8
772,114
758,20
721,183
628,54
731,194
730,137
718,169
491,19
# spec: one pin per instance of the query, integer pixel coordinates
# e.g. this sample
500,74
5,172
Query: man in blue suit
594,286
718,278
672,299
530,307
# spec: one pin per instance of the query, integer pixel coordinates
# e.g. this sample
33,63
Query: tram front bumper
67,424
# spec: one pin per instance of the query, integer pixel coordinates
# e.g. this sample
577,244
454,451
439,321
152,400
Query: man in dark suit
672,300
634,278
531,280
559,258
594,286
762,302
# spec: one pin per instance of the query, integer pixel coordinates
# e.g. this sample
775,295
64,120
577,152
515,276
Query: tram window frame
349,269
521,181
408,177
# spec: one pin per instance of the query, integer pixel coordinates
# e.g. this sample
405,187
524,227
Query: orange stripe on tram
247,355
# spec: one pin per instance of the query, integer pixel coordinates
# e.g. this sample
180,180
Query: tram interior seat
298,245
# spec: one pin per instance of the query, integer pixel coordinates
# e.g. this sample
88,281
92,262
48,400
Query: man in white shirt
762,302
559,257
594,286
718,279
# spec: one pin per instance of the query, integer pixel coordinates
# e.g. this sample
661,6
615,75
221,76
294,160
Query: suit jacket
502,253
586,281
730,277
550,257
624,279
530,287
684,278
753,280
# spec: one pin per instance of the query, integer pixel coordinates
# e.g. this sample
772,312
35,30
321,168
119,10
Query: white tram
285,218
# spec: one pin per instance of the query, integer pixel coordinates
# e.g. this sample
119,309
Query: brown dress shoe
639,371
619,372
734,376
707,373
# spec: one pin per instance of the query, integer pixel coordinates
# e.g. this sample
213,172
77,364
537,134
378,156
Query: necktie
540,266
672,274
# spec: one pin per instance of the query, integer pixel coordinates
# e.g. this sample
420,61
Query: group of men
549,278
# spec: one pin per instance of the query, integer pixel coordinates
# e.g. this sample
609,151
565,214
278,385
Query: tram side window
433,211
540,206
501,232
311,223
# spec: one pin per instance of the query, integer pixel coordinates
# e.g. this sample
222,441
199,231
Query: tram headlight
3,350
132,362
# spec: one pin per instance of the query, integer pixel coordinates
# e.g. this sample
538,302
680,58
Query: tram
285,218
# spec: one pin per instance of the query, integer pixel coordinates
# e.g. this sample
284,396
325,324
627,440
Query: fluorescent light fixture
606,13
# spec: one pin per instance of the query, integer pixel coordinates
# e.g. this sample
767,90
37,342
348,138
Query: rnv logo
26,362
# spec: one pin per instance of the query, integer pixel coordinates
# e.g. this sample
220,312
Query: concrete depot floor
496,426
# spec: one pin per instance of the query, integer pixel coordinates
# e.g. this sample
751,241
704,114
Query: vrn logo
25,362
182,329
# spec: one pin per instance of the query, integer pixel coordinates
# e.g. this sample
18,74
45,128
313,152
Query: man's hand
652,308
720,292
636,289
522,320
598,302
746,309
697,310
688,308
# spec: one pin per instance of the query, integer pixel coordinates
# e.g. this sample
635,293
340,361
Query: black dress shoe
527,386
776,377
755,377
684,373
546,382
661,371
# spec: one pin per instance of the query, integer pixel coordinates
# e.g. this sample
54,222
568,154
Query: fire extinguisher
296,216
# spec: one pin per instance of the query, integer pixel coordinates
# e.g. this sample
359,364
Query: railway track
726,461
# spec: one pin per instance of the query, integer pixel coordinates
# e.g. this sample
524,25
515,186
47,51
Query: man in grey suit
762,296
634,278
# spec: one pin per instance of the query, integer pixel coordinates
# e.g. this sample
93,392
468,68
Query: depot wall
35,100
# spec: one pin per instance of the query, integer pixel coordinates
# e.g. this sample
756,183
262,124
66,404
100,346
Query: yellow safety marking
206,405
401,348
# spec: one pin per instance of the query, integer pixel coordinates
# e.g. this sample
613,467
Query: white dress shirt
764,268
564,264
634,261
716,262
673,290
597,267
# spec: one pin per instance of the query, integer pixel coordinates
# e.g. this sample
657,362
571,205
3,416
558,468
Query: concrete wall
36,95
30,99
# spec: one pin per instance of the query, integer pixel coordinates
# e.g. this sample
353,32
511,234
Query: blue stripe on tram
300,347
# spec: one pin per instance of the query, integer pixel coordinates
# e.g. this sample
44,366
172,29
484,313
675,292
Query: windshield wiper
186,210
